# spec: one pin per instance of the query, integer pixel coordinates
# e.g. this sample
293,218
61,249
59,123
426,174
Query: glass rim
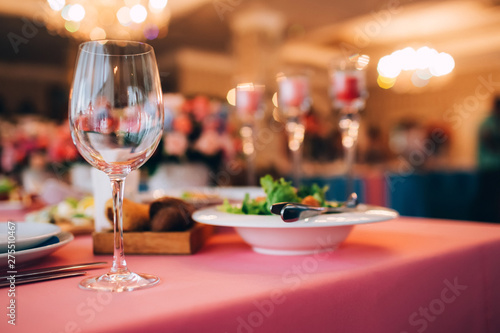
147,47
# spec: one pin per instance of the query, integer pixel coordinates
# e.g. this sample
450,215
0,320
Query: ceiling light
56,5
76,13
138,13
114,19
157,4
426,62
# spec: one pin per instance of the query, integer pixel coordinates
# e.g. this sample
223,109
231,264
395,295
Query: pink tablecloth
407,275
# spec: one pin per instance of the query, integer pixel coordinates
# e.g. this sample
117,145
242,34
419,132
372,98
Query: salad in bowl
269,234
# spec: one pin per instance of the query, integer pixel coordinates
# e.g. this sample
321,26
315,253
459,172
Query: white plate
268,234
27,234
44,249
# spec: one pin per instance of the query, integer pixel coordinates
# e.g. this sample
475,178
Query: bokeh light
385,83
443,64
426,62
138,14
157,4
97,33
231,97
362,61
275,99
151,31
56,5
123,16
418,81
389,67
138,19
76,13
72,26
64,12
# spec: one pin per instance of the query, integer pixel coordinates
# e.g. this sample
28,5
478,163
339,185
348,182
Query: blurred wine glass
294,102
348,93
116,120
249,108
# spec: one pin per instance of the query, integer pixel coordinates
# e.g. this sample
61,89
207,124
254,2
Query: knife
48,273
37,278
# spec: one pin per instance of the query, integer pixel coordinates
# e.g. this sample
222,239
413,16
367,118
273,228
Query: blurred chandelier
425,63
108,19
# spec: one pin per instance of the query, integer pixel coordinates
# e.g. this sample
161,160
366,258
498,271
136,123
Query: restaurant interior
419,134
372,128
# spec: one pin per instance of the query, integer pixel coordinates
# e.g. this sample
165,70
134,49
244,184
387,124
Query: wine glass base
119,282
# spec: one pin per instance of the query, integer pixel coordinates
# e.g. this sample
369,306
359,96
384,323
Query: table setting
281,256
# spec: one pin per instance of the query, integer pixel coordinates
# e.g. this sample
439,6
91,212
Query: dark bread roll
135,215
170,214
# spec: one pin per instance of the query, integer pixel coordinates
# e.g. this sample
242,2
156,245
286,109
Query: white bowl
268,234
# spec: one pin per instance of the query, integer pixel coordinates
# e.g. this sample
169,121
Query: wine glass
294,102
348,93
116,120
249,108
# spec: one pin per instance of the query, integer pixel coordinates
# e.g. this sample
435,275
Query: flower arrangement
36,143
197,129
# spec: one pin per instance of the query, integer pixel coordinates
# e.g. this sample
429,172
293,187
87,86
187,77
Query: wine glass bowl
116,112
116,121
293,94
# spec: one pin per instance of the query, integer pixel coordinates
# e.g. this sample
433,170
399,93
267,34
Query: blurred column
257,34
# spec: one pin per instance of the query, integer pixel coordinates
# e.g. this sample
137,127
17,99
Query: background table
406,275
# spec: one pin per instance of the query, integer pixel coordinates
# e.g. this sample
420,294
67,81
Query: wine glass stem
118,187
295,130
350,155
349,125
248,138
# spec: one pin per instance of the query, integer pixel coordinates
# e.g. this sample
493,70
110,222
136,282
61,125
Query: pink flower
183,124
62,148
209,143
201,107
8,157
175,143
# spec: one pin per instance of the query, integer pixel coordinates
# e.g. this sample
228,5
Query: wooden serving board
147,242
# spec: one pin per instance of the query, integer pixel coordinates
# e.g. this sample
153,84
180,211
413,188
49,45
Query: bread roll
135,215
170,214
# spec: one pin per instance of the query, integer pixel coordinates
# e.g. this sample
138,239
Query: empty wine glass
116,121
249,108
